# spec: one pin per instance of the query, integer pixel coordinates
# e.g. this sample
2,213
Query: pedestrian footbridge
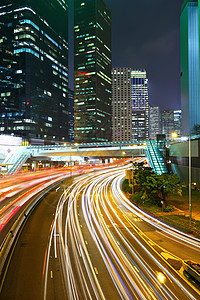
16,159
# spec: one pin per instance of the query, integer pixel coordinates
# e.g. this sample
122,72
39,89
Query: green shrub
168,208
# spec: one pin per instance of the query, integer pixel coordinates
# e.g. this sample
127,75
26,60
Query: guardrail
11,236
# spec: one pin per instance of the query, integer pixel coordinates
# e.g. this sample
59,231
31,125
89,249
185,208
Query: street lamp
174,135
190,182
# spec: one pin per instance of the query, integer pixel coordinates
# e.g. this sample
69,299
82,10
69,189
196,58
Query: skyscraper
71,115
177,121
34,68
121,104
129,104
190,98
92,66
154,122
140,104
168,123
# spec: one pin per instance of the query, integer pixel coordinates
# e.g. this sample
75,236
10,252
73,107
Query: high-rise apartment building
129,104
34,68
154,122
121,104
190,98
92,66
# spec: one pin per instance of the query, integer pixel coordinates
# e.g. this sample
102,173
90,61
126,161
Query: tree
155,187
196,129
141,173
144,177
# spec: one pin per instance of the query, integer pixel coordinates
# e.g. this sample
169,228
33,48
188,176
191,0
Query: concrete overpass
90,150
16,158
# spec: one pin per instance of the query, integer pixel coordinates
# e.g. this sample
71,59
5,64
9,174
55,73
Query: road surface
87,241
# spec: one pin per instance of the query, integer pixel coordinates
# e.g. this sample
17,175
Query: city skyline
34,69
92,71
149,46
99,194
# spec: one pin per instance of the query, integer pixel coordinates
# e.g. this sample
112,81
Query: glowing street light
174,135
161,277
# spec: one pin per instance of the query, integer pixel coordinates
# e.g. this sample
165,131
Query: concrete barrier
11,236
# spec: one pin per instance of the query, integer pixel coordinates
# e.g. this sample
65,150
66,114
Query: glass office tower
190,100
92,65
140,104
168,123
34,68
154,122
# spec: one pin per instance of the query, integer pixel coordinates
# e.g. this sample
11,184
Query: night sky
146,34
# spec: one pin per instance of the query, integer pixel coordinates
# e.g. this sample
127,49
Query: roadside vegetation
154,193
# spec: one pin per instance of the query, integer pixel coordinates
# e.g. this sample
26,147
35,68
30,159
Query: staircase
16,160
155,158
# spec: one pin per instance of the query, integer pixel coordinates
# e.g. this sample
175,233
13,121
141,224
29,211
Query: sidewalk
175,212
182,204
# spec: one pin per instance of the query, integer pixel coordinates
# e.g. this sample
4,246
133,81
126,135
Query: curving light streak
89,210
16,191
167,229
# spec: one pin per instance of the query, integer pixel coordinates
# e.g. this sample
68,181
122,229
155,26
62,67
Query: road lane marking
150,242
136,269
51,274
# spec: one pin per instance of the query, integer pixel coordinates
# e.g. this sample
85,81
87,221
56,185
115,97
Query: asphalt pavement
25,273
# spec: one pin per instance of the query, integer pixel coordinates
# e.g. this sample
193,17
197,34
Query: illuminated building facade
121,104
92,66
71,115
178,121
140,104
34,68
190,98
129,104
168,123
154,122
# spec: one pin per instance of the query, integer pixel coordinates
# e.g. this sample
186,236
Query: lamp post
174,136
190,182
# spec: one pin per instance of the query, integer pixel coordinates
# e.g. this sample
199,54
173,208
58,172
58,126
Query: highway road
85,240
